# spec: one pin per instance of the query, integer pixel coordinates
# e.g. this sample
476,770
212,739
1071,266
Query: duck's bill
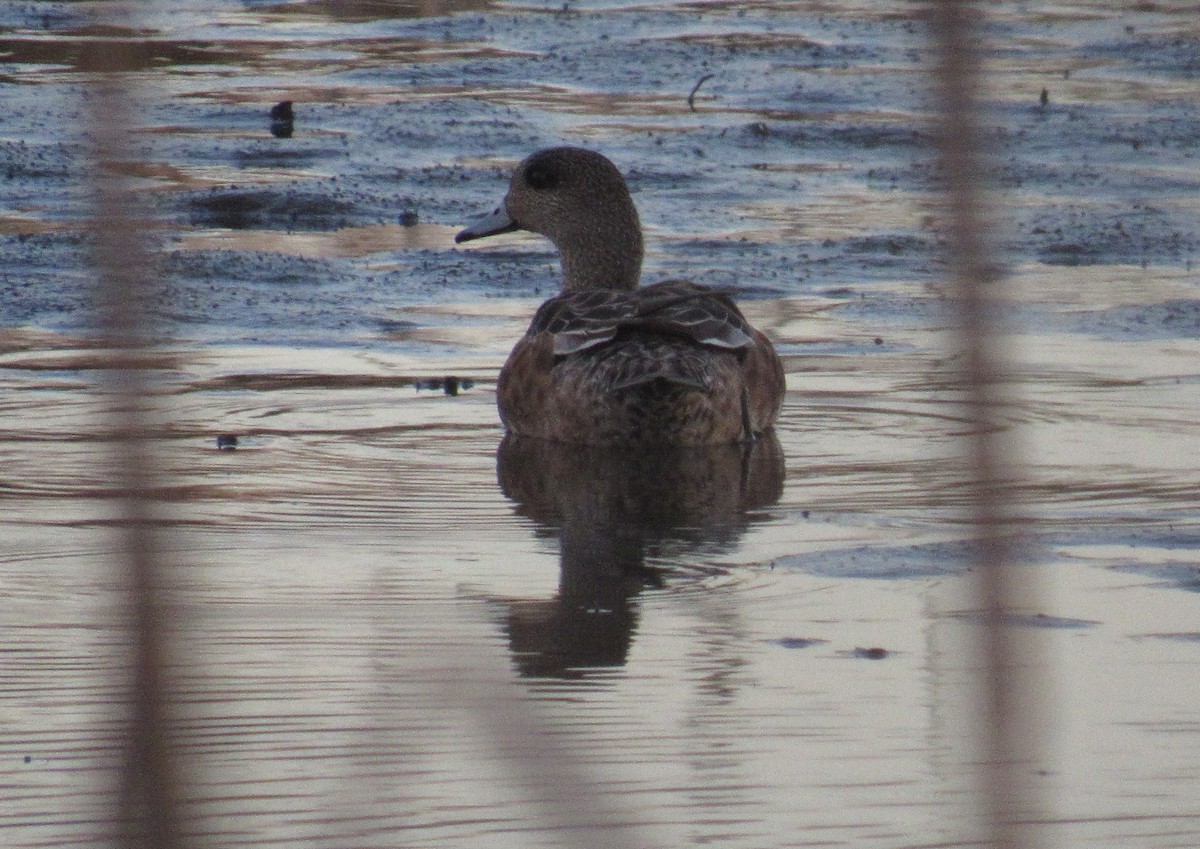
498,221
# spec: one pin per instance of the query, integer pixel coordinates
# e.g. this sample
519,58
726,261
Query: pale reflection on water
384,614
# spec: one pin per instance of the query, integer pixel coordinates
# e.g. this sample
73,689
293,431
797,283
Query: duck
607,361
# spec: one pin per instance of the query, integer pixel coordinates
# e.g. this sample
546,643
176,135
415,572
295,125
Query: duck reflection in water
615,513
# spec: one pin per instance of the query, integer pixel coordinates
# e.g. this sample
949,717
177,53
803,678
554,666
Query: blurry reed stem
148,814
1007,803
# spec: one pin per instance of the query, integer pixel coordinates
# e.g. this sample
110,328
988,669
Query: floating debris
227,442
872,653
449,384
691,98
799,642
282,120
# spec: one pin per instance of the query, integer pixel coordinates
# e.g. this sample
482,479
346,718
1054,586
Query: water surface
393,628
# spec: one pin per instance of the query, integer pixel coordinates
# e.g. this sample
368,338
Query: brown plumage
606,362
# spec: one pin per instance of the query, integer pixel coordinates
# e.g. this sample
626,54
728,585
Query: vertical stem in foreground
148,813
1005,737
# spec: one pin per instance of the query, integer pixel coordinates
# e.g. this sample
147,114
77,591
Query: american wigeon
607,362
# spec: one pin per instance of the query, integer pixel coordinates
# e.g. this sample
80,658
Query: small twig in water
696,88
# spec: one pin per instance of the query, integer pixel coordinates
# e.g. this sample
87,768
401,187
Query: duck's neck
605,259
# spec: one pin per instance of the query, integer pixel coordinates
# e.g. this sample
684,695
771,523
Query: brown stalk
149,791
1007,799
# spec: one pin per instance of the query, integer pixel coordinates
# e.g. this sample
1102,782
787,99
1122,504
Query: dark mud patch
1191,637
264,208
401,117
883,561
799,642
1181,575
1174,54
1114,234
274,297
1170,555
1033,620
44,280
1174,319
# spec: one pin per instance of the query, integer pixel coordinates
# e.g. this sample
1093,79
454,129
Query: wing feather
677,308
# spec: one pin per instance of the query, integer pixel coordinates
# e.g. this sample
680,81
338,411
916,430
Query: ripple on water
385,635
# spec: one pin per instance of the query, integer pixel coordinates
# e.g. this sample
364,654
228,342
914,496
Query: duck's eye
541,175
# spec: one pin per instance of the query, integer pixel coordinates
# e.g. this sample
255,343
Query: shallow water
393,629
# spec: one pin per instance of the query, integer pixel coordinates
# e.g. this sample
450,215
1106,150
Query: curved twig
691,100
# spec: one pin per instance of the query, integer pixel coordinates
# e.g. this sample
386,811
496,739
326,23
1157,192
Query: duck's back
672,363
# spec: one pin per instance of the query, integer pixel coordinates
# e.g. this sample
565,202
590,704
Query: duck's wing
682,308
581,320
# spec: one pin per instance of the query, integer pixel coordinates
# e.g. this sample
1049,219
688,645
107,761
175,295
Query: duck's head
579,201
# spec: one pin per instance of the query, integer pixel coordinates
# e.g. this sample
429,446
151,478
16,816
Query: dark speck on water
227,442
872,653
449,384
799,642
282,120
